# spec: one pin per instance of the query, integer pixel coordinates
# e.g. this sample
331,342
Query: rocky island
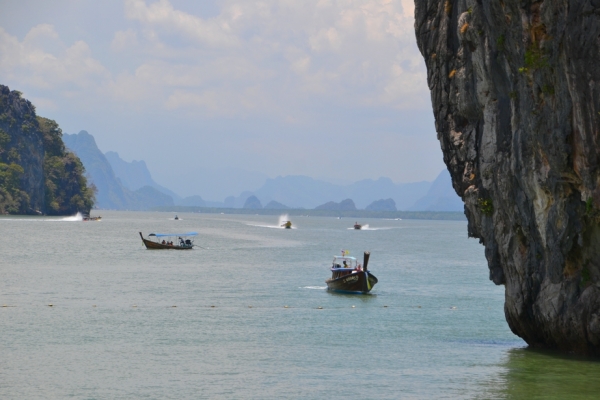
515,89
37,174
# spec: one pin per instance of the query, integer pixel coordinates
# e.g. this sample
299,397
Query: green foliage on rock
66,187
500,42
535,58
487,207
37,174
12,199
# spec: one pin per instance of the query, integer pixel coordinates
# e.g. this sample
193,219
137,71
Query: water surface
248,316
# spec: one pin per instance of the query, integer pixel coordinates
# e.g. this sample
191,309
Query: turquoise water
126,322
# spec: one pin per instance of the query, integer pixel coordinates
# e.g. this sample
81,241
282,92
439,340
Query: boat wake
280,224
74,218
283,219
367,228
270,226
314,287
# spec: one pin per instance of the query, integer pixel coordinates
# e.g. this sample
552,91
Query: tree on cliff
66,185
37,173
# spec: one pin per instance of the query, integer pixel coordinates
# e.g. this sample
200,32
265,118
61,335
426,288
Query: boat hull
360,282
150,245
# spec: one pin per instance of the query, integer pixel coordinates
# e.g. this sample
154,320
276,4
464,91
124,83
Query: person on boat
345,265
163,242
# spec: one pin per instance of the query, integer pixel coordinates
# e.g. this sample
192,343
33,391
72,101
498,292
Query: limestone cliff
515,88
111,194
37,174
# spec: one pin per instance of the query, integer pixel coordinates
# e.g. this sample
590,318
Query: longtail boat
348,276
183,241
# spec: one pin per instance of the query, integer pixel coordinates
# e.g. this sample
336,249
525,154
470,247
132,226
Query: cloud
41,31
213,32
325,39
124,40
28,63
349,52
222,103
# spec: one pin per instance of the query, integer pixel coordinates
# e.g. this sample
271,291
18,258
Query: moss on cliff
37,173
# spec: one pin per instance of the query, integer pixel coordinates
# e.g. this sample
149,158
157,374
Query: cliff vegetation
37,174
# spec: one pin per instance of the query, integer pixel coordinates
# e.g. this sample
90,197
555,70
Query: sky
217,95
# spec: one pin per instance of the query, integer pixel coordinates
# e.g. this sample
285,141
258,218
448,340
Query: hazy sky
332,89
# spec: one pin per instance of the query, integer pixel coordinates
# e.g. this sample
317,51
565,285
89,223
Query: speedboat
287,225
176,217
357,225
348,276
170,241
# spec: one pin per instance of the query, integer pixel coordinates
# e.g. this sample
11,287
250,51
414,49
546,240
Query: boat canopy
338,262
344,258
173,234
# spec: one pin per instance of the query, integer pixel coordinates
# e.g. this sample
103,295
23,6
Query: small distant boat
90,218
182,241
347,276
287,225
176,217
357,225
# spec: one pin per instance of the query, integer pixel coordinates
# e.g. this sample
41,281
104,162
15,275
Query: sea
88,313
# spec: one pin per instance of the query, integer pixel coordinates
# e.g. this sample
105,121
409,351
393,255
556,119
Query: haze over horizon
334,90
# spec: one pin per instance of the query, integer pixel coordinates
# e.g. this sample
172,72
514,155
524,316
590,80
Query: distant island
38,175
123,185
112,192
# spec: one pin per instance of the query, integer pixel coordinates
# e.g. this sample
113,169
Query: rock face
22,189
111,193
382,205
275,205
515,88
344,205
440,197
192,201
253,202
135,175
305,192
